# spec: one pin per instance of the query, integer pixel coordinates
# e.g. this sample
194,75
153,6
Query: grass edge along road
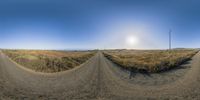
150,61
49,61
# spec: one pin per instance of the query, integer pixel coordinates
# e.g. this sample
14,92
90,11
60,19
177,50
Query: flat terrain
99,79
150,60
49,61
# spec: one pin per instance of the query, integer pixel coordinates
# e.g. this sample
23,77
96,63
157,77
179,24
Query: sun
132,40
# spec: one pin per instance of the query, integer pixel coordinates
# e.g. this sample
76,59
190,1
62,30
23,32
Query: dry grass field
150,60
49,61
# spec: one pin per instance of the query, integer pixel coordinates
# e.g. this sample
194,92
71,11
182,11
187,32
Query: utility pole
170,39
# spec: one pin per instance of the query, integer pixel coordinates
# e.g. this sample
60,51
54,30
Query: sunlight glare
132,40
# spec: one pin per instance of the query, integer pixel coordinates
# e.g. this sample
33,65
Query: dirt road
98,79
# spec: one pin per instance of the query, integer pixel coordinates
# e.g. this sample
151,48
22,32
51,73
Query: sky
99,24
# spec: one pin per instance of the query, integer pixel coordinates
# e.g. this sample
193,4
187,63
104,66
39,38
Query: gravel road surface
98,79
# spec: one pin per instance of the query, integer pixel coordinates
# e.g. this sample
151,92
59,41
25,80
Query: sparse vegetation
150,60
49,61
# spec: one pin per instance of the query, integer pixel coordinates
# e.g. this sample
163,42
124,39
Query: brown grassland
49,61
150,61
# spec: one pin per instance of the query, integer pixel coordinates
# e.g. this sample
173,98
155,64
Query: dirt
99,79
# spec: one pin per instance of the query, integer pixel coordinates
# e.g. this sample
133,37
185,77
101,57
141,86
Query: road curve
18,83
98,79
181,84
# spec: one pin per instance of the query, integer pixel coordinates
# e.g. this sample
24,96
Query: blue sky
98,24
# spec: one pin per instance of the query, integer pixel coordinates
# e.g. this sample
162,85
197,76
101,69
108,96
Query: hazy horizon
99,24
